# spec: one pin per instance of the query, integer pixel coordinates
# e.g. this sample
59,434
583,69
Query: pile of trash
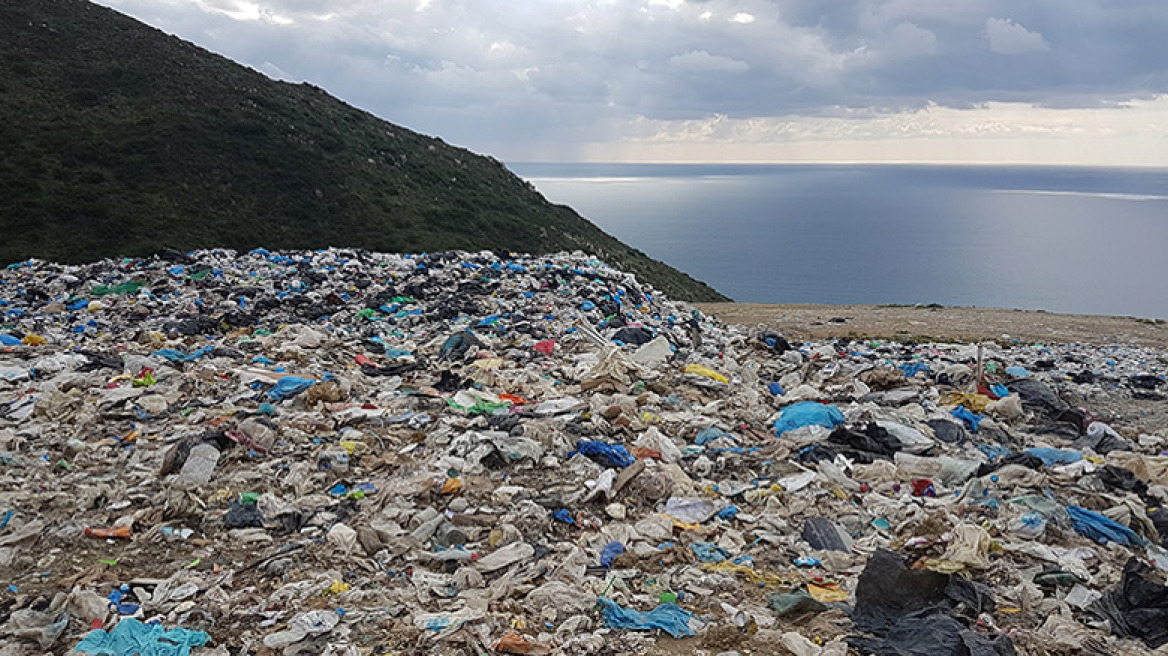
351,453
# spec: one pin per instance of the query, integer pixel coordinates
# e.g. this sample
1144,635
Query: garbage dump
351,453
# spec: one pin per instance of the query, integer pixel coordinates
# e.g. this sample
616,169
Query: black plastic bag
1137,607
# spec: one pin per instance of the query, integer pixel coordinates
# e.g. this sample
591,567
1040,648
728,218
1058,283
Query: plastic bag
605,455
1051,457
808,413
289,386
1137,607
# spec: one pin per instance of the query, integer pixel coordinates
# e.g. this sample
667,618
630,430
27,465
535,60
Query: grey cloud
700,61
485,73
1009,38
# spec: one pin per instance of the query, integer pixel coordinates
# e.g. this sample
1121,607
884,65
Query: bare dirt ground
933,323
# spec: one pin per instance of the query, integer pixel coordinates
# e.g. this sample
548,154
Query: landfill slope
352,453
120,140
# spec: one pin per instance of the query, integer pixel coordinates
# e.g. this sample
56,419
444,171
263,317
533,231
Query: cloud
508,77
700,61
1009,38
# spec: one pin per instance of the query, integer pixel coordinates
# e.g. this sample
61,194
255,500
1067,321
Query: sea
1062,239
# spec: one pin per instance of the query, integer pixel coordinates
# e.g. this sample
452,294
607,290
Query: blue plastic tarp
9,340
1051,457
668,617
175,355
1100,528
808,413
289,386
134,638
605,455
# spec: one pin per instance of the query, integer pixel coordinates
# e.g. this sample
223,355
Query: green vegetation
117,139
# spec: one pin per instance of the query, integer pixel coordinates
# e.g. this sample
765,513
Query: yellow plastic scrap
451,486
944,566
349,446
336,588
826,592
488,364
33,339
769,579
972,402
703,370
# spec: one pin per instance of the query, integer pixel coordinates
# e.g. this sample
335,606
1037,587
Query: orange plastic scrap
513,643
122,532
452,486
515,400
644,453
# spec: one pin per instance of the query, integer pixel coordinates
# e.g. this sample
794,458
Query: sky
954,81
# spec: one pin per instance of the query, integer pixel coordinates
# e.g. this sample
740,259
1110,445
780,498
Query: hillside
118,139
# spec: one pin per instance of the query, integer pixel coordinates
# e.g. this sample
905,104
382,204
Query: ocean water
1062,239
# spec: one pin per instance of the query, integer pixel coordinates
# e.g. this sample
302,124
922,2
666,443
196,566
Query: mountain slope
117,139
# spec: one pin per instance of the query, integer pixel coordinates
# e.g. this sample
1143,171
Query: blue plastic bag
709,435
9,340
708,552
175,355
289,386
1101,528
728,512
1017,372
993,452
610,552
808,413
776,389
668,617
911,369
133,638
970,419
1051,457
605,455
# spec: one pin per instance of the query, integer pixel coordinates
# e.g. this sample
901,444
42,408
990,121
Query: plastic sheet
134,638
668,617
1102,529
